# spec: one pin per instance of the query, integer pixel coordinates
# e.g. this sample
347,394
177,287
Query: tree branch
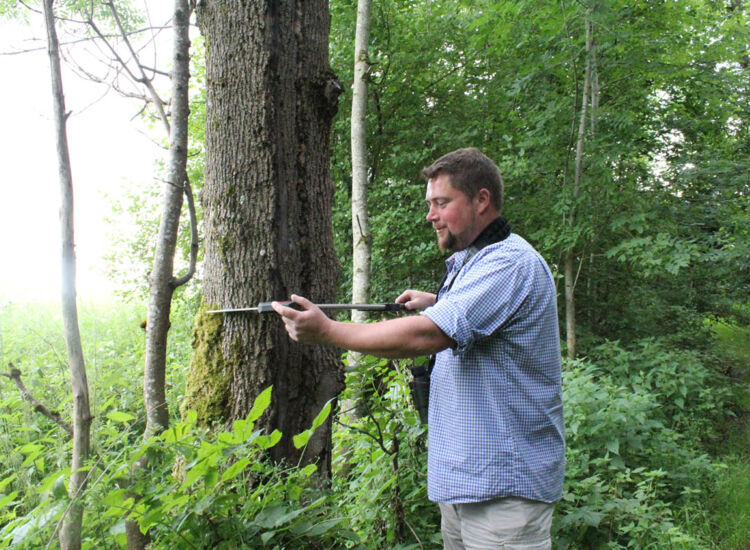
158,103
193,235
15,375
379,440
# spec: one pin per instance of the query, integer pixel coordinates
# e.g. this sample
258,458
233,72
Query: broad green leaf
260,405
235,469
275,516
323,527
322,416
119,416
613,446
118,528
8,499
300,440
195,473
268,441
58,489
114,498
191,417
7,480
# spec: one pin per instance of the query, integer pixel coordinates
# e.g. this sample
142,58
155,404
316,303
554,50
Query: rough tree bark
267,201
70,532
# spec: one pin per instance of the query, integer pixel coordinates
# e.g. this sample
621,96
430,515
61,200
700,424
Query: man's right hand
416,299
307,325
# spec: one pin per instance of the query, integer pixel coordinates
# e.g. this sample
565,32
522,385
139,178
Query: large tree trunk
70,532
267,203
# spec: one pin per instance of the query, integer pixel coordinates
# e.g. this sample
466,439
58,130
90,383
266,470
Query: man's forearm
396,338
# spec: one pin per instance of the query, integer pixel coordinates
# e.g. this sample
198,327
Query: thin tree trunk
570,255
70,532
361,237
267,202
162,280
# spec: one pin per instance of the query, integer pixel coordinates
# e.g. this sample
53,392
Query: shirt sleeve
486,296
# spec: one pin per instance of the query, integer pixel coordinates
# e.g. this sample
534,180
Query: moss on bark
207,388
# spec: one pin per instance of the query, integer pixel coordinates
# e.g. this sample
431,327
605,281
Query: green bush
635,420
640,419
201,489
380,473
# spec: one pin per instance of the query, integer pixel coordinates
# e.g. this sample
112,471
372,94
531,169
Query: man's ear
483,199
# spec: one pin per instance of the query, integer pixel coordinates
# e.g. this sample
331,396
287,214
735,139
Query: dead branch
88,39
15,375
147,82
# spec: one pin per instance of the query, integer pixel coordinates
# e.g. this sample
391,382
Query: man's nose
431,214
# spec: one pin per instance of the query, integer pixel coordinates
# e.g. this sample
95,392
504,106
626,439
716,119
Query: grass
730,505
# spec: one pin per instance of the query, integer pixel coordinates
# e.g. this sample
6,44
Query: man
496,449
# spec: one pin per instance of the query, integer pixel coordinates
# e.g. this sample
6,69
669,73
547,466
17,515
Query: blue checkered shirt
496,414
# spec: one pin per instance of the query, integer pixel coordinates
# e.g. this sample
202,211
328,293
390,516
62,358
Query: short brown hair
470,170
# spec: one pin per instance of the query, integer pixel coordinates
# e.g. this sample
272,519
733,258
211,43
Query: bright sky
108,152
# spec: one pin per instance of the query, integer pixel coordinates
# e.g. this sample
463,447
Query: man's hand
416,299
307,326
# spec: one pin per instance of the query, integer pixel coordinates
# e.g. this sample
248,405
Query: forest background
655,223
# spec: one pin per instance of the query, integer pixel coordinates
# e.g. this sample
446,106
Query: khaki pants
505,523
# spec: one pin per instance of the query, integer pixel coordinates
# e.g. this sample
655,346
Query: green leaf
7,499
300,440
613,446
118,529
191,417
275,516
260,405
322,415
7,480
58,489
195,473
114,498
119,416
268,441
211,477
235,469
323,527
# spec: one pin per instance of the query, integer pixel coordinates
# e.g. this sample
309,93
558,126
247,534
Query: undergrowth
644,469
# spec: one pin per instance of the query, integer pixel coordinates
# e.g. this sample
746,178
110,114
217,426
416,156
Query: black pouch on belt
420,388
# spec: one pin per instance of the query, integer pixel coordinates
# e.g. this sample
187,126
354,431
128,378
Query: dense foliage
643,425
664,191
655,405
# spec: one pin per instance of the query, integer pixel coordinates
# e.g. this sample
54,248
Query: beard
447,241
